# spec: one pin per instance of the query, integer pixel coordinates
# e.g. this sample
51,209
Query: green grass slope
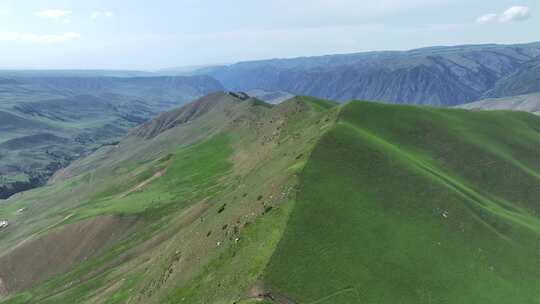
228,200
214,190
416,205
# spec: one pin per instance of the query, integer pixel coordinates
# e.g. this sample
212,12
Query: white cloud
515,13
487,18
512,14
53,14
38,39
99,14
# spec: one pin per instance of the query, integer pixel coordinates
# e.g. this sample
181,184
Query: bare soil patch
38,259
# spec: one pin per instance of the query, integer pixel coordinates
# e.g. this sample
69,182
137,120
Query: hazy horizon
192,67
136,35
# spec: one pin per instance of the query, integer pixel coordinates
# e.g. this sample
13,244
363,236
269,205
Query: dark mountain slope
164,91
15,123
437,76
4,81
525,80
41,139
71,109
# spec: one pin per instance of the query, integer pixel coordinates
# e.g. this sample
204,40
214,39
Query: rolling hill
442,76
48,121
232,200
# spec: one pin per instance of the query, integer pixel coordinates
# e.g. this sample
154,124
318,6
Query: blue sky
153,34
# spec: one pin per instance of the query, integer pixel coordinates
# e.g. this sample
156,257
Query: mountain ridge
300,202
424,76
525,80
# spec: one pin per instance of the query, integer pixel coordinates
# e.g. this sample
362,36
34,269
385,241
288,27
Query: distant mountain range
442,76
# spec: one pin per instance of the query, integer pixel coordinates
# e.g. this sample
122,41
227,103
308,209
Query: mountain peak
215,101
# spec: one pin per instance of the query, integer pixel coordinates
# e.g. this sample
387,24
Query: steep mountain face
442,76
527,103
83,112
231,200
523,81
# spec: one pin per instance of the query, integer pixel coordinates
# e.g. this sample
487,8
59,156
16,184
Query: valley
49,120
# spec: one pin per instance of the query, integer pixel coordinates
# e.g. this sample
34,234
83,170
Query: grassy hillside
211,189
416,205
231,200
47,121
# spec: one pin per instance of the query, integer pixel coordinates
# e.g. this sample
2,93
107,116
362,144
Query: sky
155,34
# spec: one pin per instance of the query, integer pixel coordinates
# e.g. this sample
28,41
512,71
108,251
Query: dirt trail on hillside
143,184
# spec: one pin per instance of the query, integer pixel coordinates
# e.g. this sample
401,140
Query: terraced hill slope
232,200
